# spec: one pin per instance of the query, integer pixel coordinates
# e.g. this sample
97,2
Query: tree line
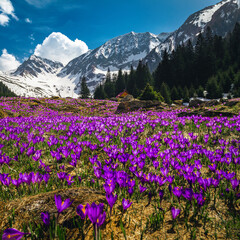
213,64
5,91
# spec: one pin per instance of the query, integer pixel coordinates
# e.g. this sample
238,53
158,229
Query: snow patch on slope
44,85
136,57
238,3
207,14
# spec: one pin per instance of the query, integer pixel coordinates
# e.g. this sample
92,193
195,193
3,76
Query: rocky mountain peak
35,65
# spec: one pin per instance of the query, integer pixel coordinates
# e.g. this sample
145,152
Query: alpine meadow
136,137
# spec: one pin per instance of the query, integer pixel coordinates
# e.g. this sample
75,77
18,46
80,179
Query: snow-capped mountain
42,77
37,77
221,18
119,52
35,65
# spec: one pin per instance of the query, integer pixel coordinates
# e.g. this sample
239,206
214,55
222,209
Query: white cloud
58,47
39,3
6,9
8,61
27,20
4,19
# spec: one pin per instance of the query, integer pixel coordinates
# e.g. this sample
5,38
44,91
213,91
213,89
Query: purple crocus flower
94,211
79,179
142,189
69,179
228,175
66,153
188,194
37,155
46,177
177,191
200,198
126,204
215,183
62,205
111,200
130,190
45,217
101,219
16,182
62,167
61,175
109,187
175,212
58,156
161,193
82,210
97,172
12,234
155,164
235,183
30,151
212,167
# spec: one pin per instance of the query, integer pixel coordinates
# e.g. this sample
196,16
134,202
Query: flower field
73,169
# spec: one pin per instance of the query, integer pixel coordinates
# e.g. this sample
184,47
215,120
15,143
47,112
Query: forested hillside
5,91
213,64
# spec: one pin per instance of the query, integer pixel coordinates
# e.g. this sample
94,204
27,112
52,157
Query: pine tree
213,89
234,45
192,91
131,84
109,86
163,71
236,89
200,91
175,94
5,91
149,94
165,92
99,93
84,89
180,92
186,94
120,84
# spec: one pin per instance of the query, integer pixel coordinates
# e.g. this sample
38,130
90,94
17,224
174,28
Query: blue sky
91,21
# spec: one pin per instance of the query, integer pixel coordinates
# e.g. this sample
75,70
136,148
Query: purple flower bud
101,219
235,183
126,204
12,233
142,189
111,199
177,191
82,211
161,193
175,212
45,217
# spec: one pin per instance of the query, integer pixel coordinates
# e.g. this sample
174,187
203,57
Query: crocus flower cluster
94,212
129,156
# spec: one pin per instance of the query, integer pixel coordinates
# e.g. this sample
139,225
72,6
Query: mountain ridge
124,51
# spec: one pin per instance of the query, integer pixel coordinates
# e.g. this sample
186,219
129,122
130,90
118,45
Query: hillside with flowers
79,169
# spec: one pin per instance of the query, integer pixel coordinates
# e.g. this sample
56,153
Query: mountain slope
119,52
43,77
36,65
221,18
37,77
